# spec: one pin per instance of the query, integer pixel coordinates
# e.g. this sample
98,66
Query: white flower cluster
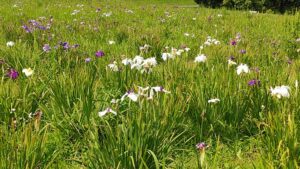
147,92
141,64
106,14
129,11
280,91
111,42
242,68
107,110
174,52
145,48
28,72
113,66
10,44
231,62
215,100
200,58
75,12
211,41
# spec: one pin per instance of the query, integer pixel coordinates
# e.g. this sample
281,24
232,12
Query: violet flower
232,58
99,53
87,60
201,146
46,48
254,82
41,27
243,51
33,22
26,28
233,42
13,74
65,45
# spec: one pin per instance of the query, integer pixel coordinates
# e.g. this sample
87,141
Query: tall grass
50,119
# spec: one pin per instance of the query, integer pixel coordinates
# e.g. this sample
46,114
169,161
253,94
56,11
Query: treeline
257,5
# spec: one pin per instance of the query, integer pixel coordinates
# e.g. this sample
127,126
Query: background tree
258,5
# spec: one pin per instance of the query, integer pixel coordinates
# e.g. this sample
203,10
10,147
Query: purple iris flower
26,28
13,74
87,60
232,58
65,45
162,88
46,48
201,146
99,53
33,22
233,43
41,27
242,51
254,82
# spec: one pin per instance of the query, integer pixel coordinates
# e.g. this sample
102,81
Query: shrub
259,5
210,3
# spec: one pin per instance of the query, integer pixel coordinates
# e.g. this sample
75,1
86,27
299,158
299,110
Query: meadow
147,84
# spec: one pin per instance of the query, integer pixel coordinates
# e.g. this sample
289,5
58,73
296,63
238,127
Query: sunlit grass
49,119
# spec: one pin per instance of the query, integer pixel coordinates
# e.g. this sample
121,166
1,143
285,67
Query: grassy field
138,84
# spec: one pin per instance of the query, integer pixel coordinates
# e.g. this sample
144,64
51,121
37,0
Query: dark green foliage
259,5
210,3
